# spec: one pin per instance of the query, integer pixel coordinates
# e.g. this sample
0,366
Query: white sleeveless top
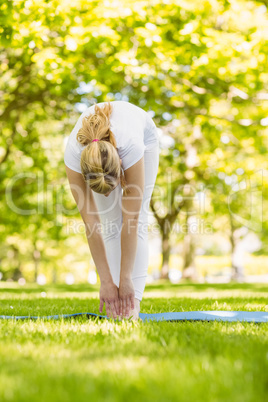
133,128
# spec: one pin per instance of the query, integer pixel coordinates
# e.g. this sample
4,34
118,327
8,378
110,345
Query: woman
111,161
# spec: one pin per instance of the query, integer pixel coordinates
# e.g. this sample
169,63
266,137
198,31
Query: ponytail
100,162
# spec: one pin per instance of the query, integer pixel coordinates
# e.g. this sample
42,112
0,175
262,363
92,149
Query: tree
189,64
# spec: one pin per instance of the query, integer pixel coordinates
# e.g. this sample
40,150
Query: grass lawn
82,359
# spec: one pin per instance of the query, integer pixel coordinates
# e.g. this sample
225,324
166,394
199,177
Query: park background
199,68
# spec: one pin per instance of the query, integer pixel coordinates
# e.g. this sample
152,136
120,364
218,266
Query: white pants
110,213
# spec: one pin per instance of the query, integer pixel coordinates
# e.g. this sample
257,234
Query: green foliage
199,67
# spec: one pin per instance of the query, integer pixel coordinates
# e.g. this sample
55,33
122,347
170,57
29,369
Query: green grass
82,359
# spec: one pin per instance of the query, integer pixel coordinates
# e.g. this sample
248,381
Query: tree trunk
17,274
165,255
36,258
238,273
189,268
54,275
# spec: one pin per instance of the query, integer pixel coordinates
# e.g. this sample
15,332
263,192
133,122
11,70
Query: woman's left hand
126,296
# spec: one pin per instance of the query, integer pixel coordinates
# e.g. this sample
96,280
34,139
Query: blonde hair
100,162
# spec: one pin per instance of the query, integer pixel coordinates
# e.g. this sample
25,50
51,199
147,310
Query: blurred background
199,68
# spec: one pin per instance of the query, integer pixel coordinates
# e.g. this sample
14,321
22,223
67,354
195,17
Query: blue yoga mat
231,316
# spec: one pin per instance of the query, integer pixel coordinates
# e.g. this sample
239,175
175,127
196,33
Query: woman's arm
88,210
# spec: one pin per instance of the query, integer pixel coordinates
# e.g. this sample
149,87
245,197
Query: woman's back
133,128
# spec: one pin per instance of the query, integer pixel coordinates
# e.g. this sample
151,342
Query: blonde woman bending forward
111,161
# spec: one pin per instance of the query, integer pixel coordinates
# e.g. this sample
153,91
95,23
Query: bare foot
134,313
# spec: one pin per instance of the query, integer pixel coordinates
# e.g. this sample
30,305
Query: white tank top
133,128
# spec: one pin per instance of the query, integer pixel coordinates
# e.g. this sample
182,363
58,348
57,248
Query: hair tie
95,140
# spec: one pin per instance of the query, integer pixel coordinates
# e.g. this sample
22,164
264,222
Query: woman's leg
139,274
110,213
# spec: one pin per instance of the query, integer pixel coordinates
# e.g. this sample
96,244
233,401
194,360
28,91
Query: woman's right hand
109,296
